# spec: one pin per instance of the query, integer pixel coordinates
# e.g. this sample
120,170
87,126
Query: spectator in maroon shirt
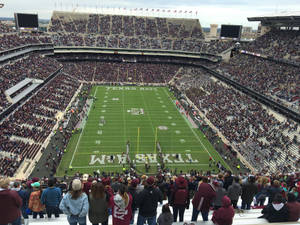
10,204
293,207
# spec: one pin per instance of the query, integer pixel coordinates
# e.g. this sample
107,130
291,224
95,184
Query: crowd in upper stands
10,39
13,40
277,80
127,194
280,44
116,31
243,121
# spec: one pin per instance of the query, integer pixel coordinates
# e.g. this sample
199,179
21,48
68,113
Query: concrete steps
246,218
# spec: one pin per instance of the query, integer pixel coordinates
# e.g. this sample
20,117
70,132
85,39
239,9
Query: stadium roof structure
283,19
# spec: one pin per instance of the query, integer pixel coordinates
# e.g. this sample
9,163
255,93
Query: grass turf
140,115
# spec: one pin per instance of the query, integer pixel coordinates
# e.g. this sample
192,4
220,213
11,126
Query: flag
180,11
141,9
169,10
157,10
146,9
175,11
185,11
152,9
163,10
196,12
135,9
191,11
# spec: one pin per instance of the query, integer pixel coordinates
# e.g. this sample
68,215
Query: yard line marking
148,114
124,121
77,144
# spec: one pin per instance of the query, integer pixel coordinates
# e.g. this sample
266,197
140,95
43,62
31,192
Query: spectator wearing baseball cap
35,203
75,204
147,202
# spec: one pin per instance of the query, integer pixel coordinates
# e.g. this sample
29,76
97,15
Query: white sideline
77,144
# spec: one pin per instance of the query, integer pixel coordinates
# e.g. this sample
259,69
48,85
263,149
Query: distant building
213,30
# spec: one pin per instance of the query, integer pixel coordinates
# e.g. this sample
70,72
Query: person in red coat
10,204
225,214
121,207
203,199
293,207
180,198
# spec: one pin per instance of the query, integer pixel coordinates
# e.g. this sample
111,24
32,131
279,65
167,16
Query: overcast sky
208,11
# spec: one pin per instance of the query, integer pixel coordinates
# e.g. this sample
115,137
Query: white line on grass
77,144
124,121
148,114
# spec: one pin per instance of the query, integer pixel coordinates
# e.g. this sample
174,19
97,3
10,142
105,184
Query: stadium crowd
279,44
13,40
243,121
122,195
121,72
10,39
25,130
270,78
114,31
31,66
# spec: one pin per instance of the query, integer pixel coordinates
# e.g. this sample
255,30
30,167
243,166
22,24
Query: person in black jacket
228,180
147,202
249,190
277,211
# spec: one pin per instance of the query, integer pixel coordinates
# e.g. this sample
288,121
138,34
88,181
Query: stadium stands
27,128
13,40
244,122
31,66
115,31
4,28
10,39
279,44
121,72
277,80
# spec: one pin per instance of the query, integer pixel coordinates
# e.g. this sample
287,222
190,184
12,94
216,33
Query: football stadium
124,115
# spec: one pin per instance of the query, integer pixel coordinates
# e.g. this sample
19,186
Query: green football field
141,116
